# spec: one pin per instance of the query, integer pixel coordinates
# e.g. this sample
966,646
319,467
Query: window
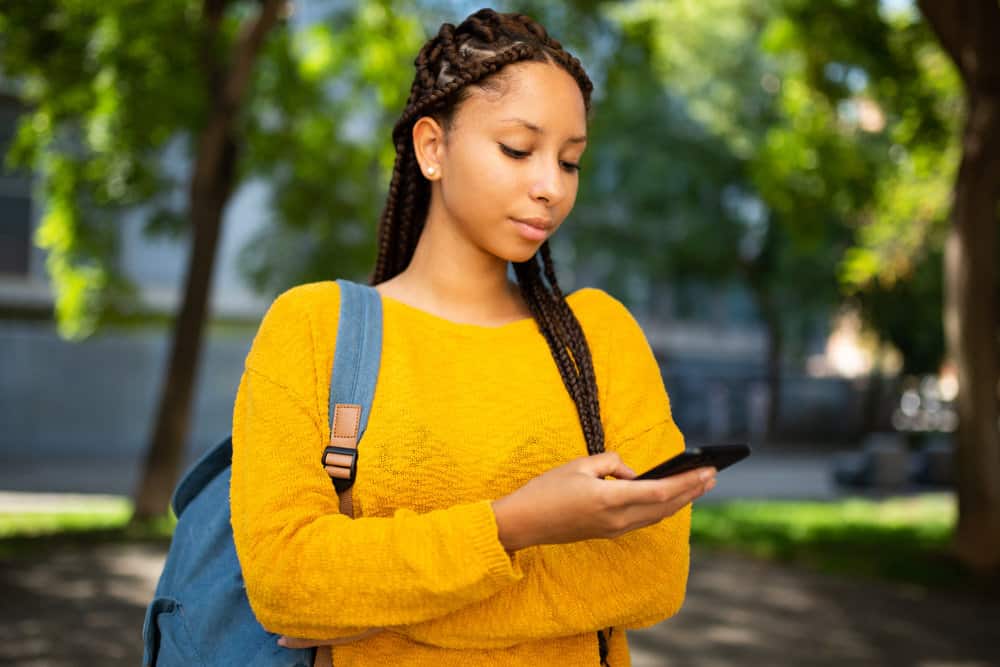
15,200
15,234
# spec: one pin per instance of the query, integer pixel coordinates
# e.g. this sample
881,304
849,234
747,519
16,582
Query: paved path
766,474
83,606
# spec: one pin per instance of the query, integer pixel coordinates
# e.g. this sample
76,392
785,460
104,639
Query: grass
902,539
104,520
92,515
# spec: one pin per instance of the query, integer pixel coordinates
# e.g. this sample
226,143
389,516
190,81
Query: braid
580,349
458,57
551,311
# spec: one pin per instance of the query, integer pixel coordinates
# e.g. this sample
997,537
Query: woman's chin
521,250
523,254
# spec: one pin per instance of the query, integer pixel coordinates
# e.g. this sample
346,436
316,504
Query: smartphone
718,456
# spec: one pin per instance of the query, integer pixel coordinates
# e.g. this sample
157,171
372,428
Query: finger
658,491
622,471
629,472
658,511
706,485
695,479
608,463
298,642
642,514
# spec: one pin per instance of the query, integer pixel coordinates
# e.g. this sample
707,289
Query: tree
780,177
94,135
967,31
901,75
112,86
227,71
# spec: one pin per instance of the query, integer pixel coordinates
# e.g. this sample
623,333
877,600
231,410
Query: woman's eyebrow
582,139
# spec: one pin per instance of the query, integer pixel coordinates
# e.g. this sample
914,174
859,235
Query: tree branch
968,29
212,12
945,18
984,30
226,88
247,47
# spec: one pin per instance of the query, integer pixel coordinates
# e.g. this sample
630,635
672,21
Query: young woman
496,522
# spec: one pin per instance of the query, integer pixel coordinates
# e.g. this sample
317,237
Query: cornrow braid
474,53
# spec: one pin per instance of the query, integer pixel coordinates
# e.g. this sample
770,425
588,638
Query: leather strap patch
344,433
346,417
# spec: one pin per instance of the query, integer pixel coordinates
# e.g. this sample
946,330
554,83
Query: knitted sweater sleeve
635,580
309,570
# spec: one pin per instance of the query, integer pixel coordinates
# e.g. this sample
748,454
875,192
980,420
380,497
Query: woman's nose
548,184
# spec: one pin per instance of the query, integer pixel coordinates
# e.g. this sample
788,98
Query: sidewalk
768,473
83,605
80,606
72,485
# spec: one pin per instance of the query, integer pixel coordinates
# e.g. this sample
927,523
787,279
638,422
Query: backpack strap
201,472
352,383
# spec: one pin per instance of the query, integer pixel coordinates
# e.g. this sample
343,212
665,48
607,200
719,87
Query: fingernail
710,485
281,641
705,474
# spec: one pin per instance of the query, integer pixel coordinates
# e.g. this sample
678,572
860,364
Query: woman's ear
428,145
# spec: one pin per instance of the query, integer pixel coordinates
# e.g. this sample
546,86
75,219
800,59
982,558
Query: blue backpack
200,614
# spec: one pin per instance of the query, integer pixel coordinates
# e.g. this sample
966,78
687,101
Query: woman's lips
532,232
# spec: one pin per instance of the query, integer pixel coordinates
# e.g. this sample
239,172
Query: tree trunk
211,186
967,30
970,328
775,350
775,347
163,459
873,399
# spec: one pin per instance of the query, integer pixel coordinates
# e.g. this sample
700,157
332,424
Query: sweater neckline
430,320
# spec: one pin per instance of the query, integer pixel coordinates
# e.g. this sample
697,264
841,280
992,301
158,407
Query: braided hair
474,54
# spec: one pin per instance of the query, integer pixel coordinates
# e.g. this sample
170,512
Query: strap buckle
342,483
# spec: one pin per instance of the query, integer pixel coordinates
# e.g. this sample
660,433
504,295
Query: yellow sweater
462,414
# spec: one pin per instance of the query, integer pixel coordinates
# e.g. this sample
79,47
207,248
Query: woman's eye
514,153
519,155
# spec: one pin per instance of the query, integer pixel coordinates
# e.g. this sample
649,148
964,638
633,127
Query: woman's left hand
298,642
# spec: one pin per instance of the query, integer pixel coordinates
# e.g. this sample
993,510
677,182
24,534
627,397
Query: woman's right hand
573,502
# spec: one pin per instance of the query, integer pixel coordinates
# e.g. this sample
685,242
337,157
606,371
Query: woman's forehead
535,97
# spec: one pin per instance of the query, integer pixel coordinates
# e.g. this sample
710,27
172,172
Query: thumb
610,463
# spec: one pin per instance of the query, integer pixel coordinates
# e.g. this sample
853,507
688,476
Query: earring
431,170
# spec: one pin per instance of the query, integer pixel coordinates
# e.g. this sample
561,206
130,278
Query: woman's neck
494,306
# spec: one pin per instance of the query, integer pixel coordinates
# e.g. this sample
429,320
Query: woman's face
512,157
